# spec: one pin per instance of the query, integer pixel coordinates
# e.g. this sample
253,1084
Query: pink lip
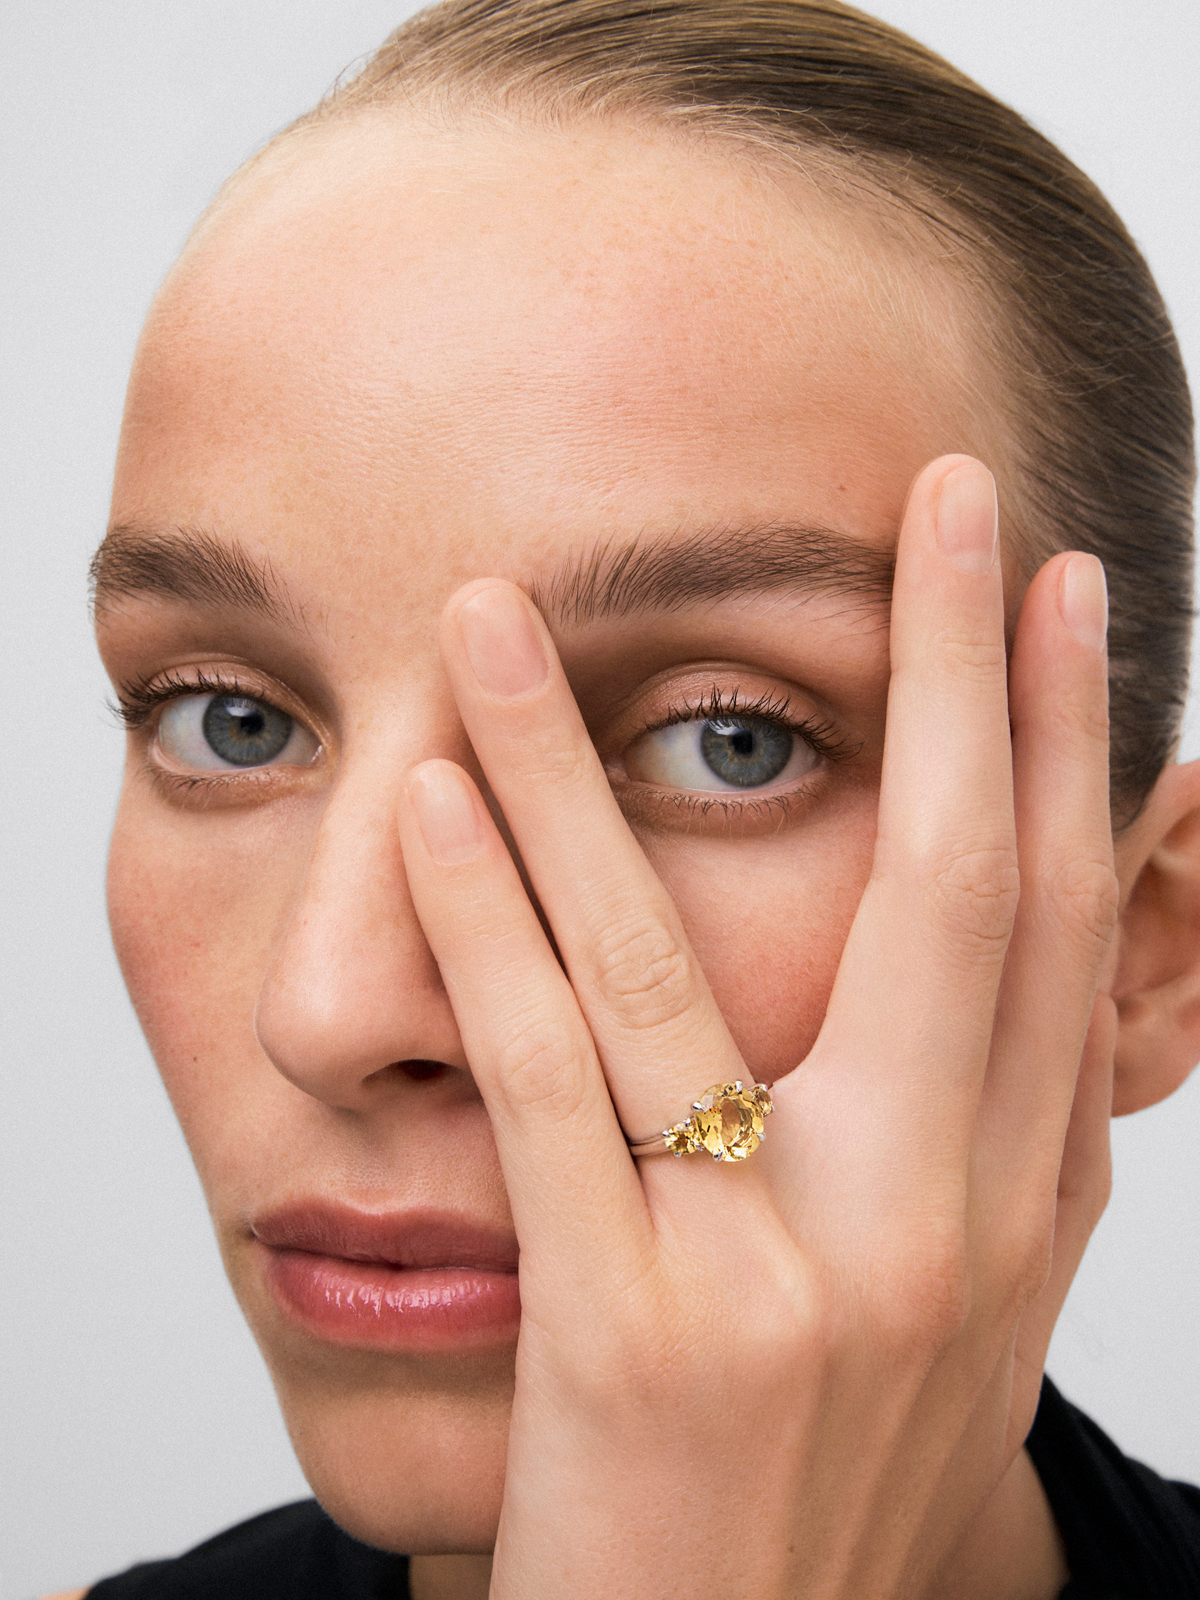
404,1281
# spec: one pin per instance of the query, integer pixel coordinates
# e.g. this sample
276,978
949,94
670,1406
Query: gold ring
727,1121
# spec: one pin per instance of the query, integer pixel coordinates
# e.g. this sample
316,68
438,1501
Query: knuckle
793,1334
922,1297
647,972
1095,1200
549,761
975,893
618,1349
1088,1192
941,1302
774,1329
970,657
1029,1268
1079,712
1088,897
1091,719
1020,1251
785,1311
538,1069
641,1348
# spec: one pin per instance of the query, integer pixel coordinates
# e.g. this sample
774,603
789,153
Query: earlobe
1157,982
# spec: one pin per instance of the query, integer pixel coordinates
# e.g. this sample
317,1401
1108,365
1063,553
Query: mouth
406,1281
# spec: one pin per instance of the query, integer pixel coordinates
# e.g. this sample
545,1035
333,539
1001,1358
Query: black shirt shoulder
1129,1534
295,1552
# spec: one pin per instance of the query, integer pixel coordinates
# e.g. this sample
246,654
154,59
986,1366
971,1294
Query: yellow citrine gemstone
727,1122
680,1140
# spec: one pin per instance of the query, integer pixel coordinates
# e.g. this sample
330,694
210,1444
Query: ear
1156,984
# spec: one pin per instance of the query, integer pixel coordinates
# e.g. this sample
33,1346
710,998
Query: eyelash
821,735
141,699
767,708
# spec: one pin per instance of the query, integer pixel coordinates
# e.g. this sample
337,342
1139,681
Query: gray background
136,1415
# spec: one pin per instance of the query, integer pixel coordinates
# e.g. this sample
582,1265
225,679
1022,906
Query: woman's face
679,398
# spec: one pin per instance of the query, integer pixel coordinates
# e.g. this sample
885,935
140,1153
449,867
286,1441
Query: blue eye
231,731
721,754
745,751
246,733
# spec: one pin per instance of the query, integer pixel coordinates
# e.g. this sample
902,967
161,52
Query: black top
295,1552
1129,1535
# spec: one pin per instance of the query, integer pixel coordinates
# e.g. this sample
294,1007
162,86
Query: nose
352,989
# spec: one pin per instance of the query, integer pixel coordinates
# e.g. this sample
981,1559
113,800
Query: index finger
659,1035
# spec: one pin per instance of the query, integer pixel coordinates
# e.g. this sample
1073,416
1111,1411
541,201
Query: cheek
196,905
768,920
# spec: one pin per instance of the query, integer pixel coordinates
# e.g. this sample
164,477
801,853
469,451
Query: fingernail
501,642
446,813
967,518
1083,600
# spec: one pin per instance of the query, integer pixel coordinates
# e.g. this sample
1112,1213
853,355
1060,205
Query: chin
395,1376
414,1467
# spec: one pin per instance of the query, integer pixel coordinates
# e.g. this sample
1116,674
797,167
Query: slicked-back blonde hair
1097,399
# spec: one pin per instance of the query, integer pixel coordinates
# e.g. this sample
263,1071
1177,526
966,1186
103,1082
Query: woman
518,468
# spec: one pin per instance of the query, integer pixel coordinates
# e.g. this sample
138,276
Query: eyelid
137,703
141,701
819,732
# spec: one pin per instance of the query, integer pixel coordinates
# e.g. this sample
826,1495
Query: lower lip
373,1306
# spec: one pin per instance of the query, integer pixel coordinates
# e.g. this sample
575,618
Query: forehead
485,343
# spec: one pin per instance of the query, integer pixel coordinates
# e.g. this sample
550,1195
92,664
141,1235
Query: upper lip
421,1237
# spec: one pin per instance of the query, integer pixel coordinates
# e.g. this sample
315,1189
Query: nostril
419,1071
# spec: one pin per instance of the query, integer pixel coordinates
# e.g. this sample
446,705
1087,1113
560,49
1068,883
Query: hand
802,1375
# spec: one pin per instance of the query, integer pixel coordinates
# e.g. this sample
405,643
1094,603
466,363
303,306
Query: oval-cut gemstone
728,1123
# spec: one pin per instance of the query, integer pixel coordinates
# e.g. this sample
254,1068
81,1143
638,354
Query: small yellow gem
679,1139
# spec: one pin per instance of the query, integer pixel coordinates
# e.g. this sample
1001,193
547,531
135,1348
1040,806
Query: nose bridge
352,986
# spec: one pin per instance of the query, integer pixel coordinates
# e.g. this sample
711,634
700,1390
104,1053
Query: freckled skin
392,361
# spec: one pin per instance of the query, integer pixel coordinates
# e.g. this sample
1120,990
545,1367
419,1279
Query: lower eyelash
197,787
727,806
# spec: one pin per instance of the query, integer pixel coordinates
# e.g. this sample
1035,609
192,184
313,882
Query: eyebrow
611,579
183,564
707,565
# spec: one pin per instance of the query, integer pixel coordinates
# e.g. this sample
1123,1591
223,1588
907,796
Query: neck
1012,1550
449,1577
